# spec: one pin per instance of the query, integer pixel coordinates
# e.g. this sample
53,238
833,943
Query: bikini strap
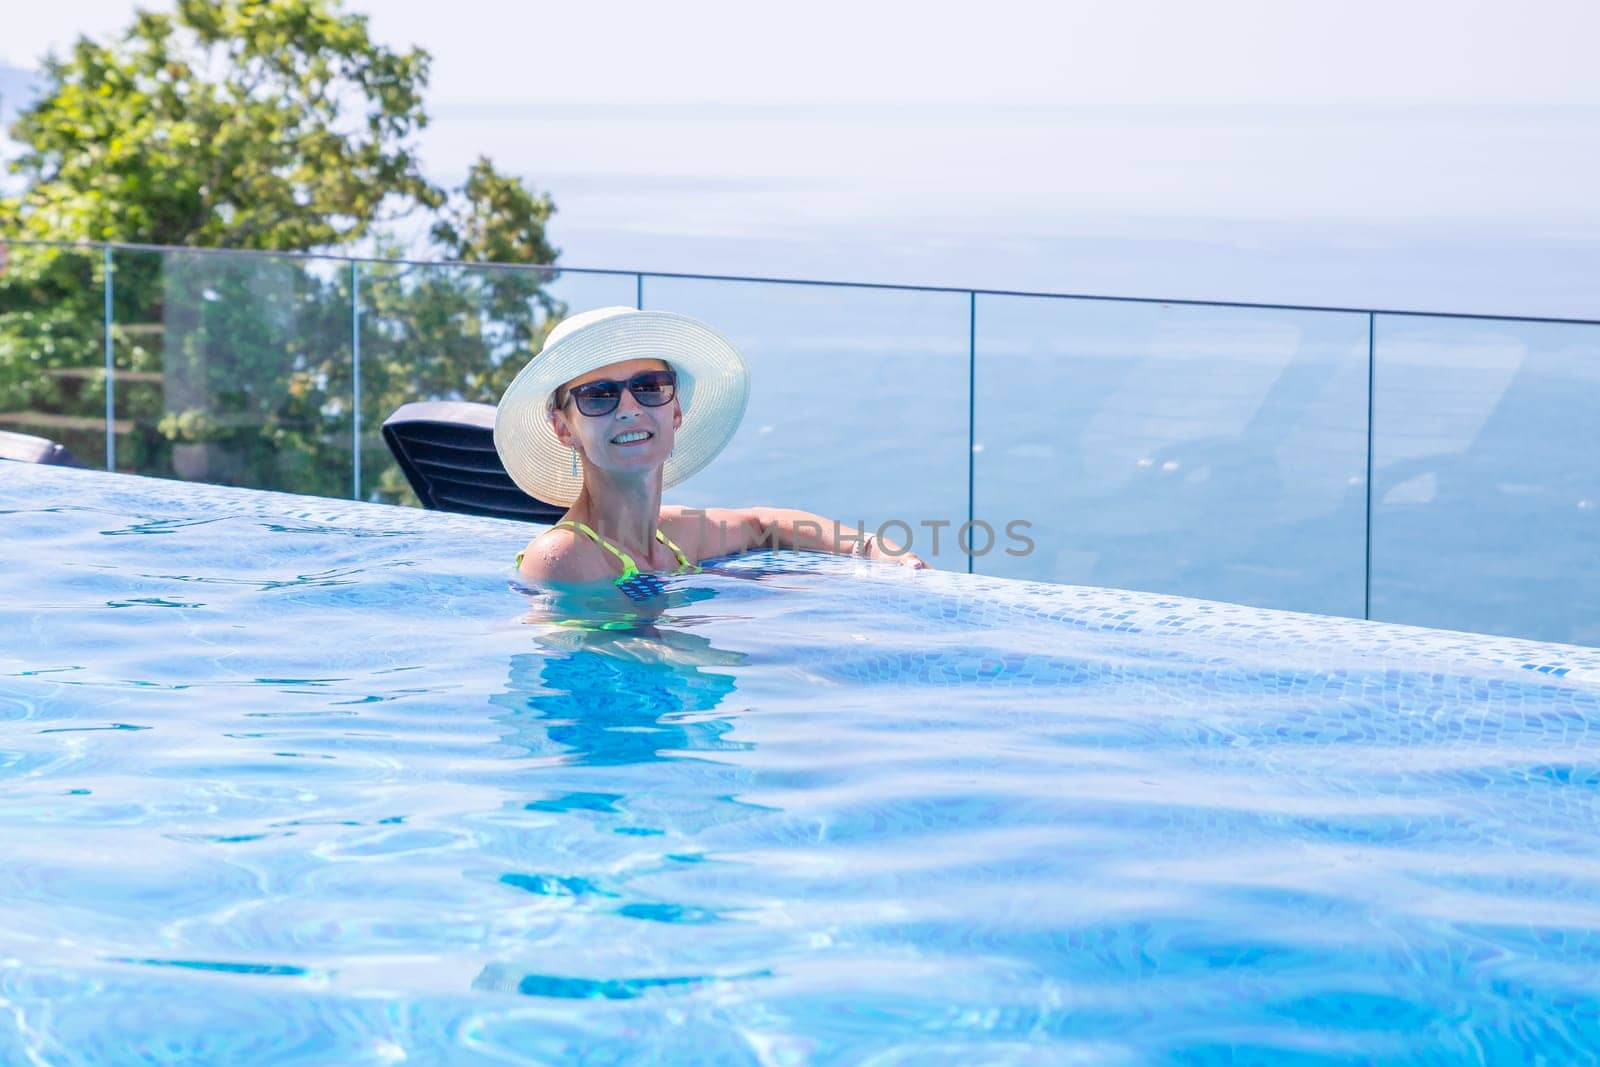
683,561
629,568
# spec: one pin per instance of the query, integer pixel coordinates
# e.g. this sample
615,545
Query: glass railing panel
455,333
858,404
1207,451
235,369
52,347
1486,476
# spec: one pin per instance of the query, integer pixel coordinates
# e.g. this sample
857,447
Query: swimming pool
295,780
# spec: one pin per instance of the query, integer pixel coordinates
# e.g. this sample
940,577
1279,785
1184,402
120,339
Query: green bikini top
634,583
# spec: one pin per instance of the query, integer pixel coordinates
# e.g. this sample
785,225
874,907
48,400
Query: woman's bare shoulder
680,517
705,533
565,556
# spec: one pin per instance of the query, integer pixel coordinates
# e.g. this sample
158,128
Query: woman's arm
725,531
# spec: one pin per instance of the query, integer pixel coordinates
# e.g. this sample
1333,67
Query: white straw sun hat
713,387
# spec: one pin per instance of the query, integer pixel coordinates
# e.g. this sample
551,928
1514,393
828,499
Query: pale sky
1428,154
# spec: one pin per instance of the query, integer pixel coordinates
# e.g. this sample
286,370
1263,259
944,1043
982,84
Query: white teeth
625,438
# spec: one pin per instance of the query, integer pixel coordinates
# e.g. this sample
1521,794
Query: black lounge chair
26,448
446,450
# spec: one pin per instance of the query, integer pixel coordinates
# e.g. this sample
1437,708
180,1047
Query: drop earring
574,462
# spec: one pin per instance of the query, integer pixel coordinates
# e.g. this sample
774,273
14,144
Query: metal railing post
355,378
1366,610
111,375
972,411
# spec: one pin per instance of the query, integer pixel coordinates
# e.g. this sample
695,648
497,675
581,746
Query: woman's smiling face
633,436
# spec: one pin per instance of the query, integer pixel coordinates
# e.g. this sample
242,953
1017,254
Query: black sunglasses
650,388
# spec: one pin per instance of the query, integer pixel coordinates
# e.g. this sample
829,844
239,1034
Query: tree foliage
260,126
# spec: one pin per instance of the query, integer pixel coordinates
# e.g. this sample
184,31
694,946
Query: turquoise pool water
289,780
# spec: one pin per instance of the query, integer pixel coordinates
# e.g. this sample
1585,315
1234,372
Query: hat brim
713,389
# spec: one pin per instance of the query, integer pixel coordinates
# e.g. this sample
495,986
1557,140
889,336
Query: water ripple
301,781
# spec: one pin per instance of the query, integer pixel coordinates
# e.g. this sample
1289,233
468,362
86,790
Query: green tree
266,126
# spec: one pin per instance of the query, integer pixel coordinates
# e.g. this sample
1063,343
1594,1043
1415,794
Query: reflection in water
609,697
600,697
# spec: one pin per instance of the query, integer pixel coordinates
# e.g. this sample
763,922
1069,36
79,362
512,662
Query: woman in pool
619,405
